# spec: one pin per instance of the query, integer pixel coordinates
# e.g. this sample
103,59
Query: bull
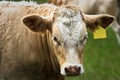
44,42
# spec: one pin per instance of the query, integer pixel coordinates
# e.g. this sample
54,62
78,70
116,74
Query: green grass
101,59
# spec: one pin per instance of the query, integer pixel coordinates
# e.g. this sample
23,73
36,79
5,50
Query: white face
69,36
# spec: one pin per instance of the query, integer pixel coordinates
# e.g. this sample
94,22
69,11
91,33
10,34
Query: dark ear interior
92,21
105,20
36,23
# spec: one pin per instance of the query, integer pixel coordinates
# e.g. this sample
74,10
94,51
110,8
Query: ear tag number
100,33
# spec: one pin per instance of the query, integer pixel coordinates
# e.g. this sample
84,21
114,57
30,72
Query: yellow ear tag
99,33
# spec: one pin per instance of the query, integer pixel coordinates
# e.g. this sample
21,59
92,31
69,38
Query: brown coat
20,58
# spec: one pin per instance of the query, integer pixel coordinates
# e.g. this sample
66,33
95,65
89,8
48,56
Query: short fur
28,58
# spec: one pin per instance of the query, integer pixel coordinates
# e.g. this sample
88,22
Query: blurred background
101,57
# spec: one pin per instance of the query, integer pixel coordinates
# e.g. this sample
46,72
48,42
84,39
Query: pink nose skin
72,71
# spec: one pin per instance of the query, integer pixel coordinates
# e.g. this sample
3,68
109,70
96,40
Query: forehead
69,23
68,12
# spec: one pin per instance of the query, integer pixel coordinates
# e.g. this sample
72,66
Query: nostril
73,70
78,69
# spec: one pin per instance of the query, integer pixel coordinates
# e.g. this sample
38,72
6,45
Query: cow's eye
56,41
83,40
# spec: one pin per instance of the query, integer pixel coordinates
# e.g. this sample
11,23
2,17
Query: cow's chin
74,70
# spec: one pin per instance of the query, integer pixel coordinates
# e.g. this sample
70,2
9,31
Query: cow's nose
72,70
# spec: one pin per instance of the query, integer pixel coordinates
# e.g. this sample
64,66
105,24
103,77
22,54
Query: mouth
72,74
74,70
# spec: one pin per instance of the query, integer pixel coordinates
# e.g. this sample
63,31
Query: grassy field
101,58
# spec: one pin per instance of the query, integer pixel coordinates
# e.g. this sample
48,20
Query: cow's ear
37,23
93,21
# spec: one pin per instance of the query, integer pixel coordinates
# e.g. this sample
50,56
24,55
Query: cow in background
44,42
111,7
118,14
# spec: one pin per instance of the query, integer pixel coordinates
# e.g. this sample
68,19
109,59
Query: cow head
68,28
